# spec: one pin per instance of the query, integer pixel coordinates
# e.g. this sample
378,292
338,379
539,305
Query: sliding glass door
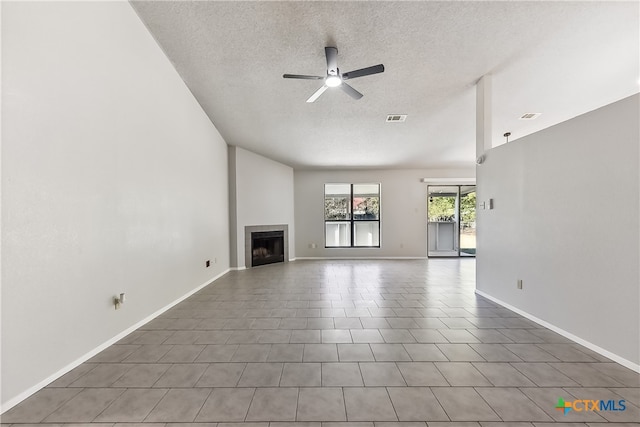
467,220
442,229
451,224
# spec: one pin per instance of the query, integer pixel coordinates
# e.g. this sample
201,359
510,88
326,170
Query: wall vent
396,118
530,116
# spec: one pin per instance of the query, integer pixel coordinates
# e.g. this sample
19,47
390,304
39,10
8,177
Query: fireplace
259,232
267,247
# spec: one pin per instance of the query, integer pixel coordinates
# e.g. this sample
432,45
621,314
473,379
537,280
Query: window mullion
352,223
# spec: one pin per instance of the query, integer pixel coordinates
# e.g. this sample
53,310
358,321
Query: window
352,215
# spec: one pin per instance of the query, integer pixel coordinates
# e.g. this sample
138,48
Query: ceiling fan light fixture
333,81
334,78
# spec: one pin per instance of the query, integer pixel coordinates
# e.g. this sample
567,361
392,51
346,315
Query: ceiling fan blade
332,60
317,94
350,91
301,76
363,72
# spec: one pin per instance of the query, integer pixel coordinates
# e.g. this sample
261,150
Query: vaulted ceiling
557,58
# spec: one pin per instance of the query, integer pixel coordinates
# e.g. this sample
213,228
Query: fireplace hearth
267,247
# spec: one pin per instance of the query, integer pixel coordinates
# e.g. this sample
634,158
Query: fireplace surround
266,244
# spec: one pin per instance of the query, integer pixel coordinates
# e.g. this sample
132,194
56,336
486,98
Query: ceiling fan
334,78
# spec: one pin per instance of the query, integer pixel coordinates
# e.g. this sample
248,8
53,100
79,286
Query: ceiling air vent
530,116
396,118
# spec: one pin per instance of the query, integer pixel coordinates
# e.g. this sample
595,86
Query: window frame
351,219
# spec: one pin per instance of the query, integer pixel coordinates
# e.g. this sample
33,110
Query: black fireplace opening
267,247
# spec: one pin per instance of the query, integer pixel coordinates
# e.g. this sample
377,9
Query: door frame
456,252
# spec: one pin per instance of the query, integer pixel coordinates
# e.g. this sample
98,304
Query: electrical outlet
519,285
215,260
118,300
207,263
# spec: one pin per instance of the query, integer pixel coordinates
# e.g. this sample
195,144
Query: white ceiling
561,59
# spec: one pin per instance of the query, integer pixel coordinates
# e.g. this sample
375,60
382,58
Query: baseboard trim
606,353
306,258
357,257
25,394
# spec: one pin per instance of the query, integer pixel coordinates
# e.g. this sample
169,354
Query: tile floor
322,343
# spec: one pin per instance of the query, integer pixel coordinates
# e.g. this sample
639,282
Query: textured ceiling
557,58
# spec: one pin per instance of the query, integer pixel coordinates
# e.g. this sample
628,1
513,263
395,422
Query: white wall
113,180
263,196
403,200
566,222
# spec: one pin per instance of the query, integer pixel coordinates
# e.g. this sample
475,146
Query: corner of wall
233,208
263,197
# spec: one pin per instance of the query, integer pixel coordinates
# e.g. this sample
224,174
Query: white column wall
566,221
263,196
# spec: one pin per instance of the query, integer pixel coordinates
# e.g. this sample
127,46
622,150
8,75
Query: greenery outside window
352,215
